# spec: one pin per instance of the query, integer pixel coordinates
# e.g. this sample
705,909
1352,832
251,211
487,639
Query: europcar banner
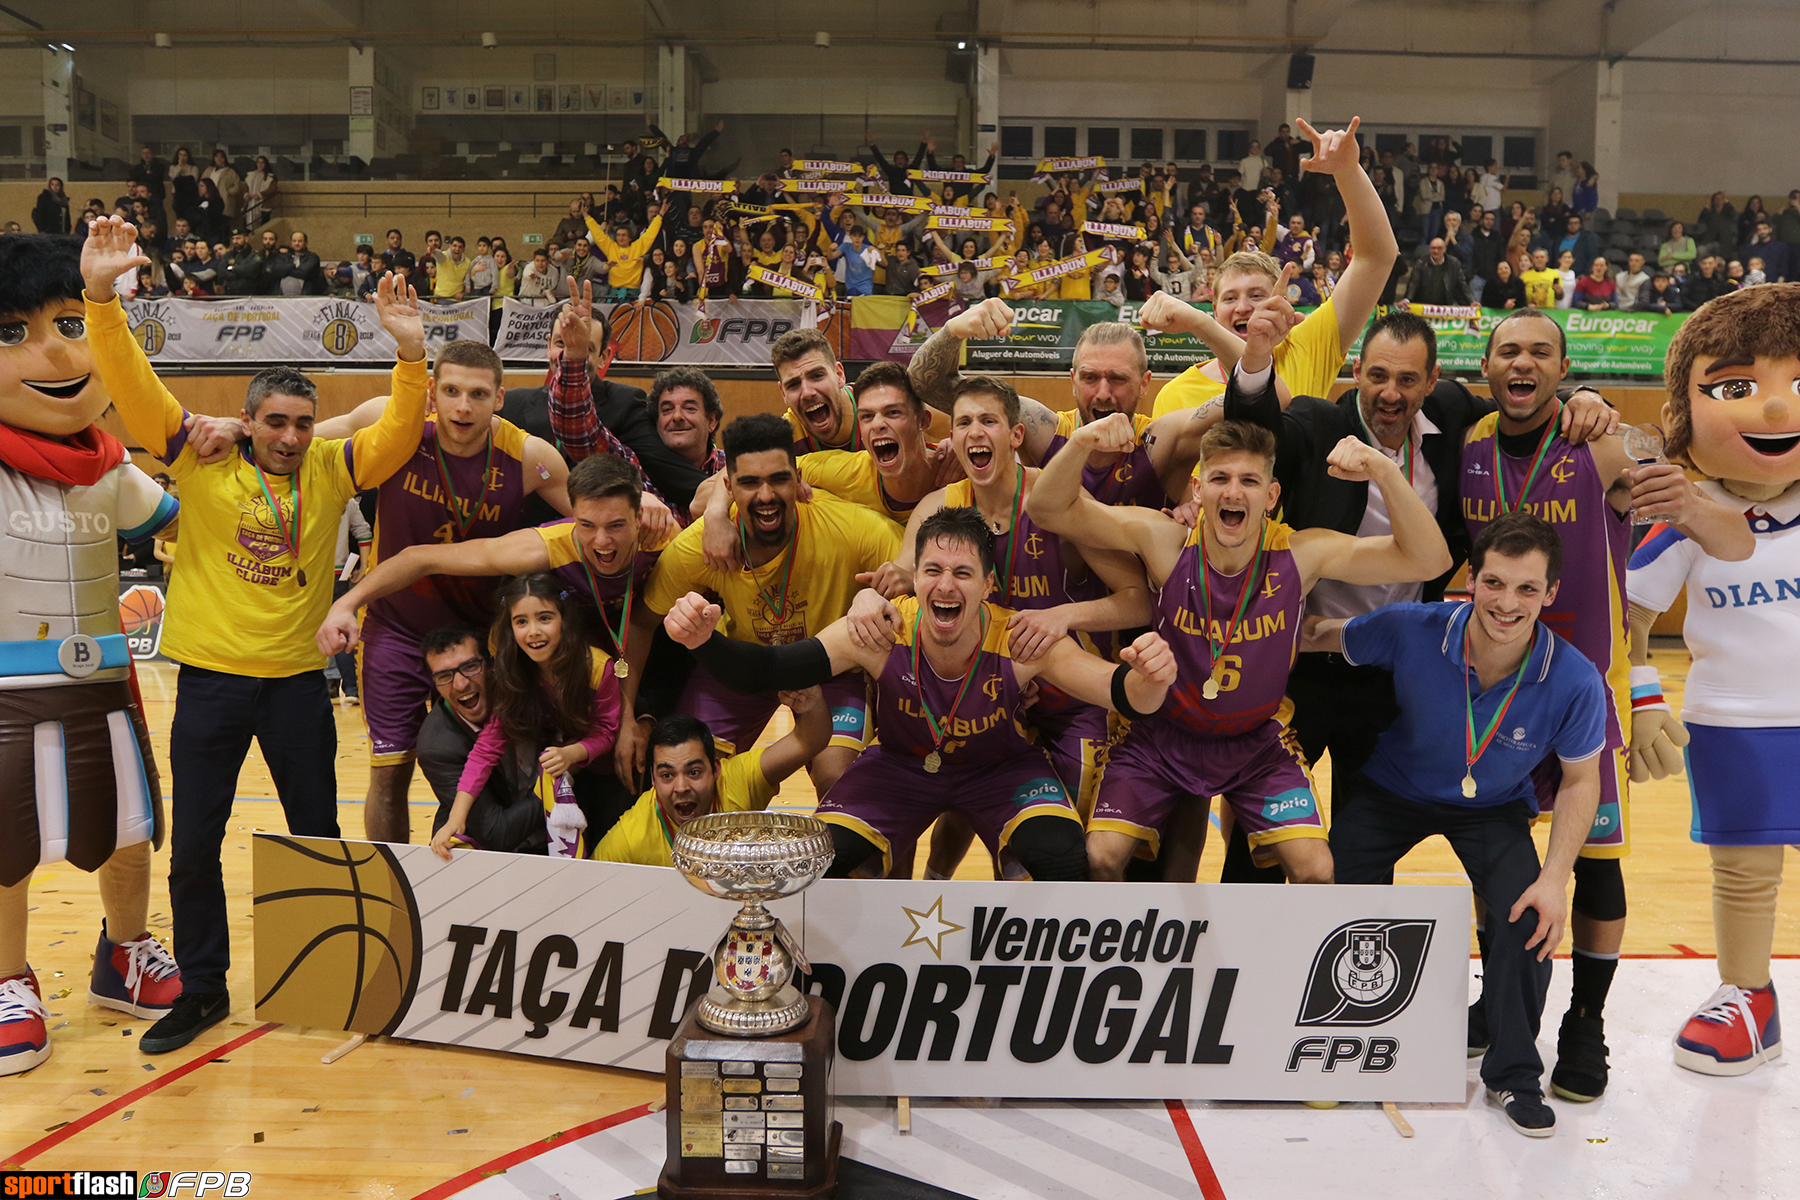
305,330
725,332
1600,343
959,988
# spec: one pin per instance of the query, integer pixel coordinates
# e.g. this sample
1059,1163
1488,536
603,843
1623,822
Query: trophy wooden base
752,1118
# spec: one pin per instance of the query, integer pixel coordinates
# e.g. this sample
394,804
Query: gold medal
302,576
933,761
1211,689
621,669
1469,786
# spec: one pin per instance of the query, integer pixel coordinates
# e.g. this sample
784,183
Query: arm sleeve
1372,639
641,247
442,770
384,447
748,667
603,245
1261,407
483,757
1659,567
150,411
603,732
573,417
144,509
1583,731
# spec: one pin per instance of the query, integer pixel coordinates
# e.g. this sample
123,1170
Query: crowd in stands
1163,231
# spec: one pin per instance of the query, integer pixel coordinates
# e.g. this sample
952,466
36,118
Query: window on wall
1146,143
1477,148
1016,141
1024,141
1190,144
1233,144
1103,141
1519,152
1059,141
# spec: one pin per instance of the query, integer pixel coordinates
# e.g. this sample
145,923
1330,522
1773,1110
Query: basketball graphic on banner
338,927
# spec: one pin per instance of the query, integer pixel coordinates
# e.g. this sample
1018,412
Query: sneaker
139,977
1478,1030
1525,1112
24,1040
352,700
1580,1073
1735,1031
192,1014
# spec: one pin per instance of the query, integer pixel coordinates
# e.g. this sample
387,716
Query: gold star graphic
929,928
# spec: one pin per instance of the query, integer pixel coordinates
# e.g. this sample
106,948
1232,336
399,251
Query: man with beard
950,695
820,409
1516,460
795,573
687,781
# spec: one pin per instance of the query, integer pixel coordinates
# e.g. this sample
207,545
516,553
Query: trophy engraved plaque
749,1069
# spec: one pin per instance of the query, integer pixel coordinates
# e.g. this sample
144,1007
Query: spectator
1577,241
1405,168
541,280
1717,223
295,271
684,158
1555,213
361,275
1631,281
481,269
1746,222
1505,290
184,184
241,272
506,284
623,254
1787,232
148,287
1284,152
1295,245
1110,292
1191,281
1659,295
1428,201
1678,247
1253,166
260,186
1136,278
1486,249
1734,274
51,213
1754,271
1457,243
1586,196
1562,177
856,263
150,171
452,281
1489,185
210,221
902,271
894,170
1762,244
230,187
1278,184
1596,291
434,245
1565,268
572,226
1705,284
1438,279
396,256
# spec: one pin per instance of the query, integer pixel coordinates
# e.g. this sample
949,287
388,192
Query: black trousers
1338,707
216,715
1494,845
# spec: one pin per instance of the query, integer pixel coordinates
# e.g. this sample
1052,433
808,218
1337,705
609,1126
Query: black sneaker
192,1014
1478,1030
1580,1073
1525,1112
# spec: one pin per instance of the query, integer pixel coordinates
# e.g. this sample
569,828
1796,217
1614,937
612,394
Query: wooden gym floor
392,1121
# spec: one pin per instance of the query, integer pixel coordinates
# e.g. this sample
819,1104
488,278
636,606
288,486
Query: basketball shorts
1158,764
1611,835
1075,736
737,719
396,691
1743,785
889,797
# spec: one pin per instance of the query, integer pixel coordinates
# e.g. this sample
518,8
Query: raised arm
934,369
1413,553
348,424
810,735
1163,313
150,411
386,446
749,667
1664,490
1336,153
1144,677
1033,631
1059,502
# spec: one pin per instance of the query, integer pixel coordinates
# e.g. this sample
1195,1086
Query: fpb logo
704,331
1365,973
227,1184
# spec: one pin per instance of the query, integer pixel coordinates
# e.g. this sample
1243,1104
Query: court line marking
513,1158
1196,1153
80,1123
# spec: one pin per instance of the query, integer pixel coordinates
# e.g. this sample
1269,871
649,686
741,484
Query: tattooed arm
934,370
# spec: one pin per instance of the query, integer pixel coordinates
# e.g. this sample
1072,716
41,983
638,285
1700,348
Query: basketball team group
1059,632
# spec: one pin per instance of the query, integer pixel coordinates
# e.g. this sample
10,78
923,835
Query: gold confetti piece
62,995
314,1108
454,1132
429,1099
1596,1141
55,1127
128,1114
95,1071
149,1066
256,1138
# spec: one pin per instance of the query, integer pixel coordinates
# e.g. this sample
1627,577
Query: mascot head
47,380
1733,374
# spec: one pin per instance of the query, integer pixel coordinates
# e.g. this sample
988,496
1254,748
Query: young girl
548,684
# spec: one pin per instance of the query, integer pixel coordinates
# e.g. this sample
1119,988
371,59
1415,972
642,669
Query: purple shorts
1261,774
1075,738
737,719
890,798
396,690
1610,836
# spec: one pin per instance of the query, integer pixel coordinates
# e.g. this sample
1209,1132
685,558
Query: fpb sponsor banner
941,989
287,329
724,332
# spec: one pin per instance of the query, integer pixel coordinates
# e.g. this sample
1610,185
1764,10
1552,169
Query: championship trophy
749,1069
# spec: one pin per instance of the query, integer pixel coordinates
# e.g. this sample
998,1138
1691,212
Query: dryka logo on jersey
1365,973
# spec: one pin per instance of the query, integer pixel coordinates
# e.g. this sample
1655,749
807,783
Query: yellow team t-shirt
853,476
1308,361
1542,288
772,604
451,276
237,605
642,837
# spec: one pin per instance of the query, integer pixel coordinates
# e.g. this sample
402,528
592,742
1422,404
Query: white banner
1101,990
724,333
301,330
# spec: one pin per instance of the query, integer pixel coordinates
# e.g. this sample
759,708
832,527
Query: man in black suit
1401,406
507,815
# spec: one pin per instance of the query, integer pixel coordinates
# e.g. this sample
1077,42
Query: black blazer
506,816
1311,498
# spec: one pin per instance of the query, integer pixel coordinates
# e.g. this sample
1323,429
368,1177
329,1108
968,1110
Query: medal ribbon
1012,535
623,633
464,524
290,532
1537,462
931,721
777,605
1243,603
1471,751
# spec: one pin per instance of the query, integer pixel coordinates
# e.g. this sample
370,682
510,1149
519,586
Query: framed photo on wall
471,99
518,97
568,97
543,98
428,99
493,98
593,97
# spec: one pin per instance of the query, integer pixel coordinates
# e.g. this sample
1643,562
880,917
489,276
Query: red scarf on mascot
78,462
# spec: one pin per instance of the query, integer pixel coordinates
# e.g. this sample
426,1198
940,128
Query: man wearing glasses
456,657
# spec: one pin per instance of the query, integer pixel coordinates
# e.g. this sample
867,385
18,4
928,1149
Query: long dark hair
526,713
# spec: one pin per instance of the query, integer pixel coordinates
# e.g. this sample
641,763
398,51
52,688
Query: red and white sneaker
1733,1033
24,1041
139,977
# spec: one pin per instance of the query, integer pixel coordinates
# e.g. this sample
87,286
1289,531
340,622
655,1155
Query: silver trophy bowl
753,857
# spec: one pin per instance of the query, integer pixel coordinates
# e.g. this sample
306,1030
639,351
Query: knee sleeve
1050,848
1599,889
850,850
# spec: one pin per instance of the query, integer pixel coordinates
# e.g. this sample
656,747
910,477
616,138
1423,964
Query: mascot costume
1733,414
77,781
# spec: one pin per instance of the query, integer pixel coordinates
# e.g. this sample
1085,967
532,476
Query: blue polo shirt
1560,708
